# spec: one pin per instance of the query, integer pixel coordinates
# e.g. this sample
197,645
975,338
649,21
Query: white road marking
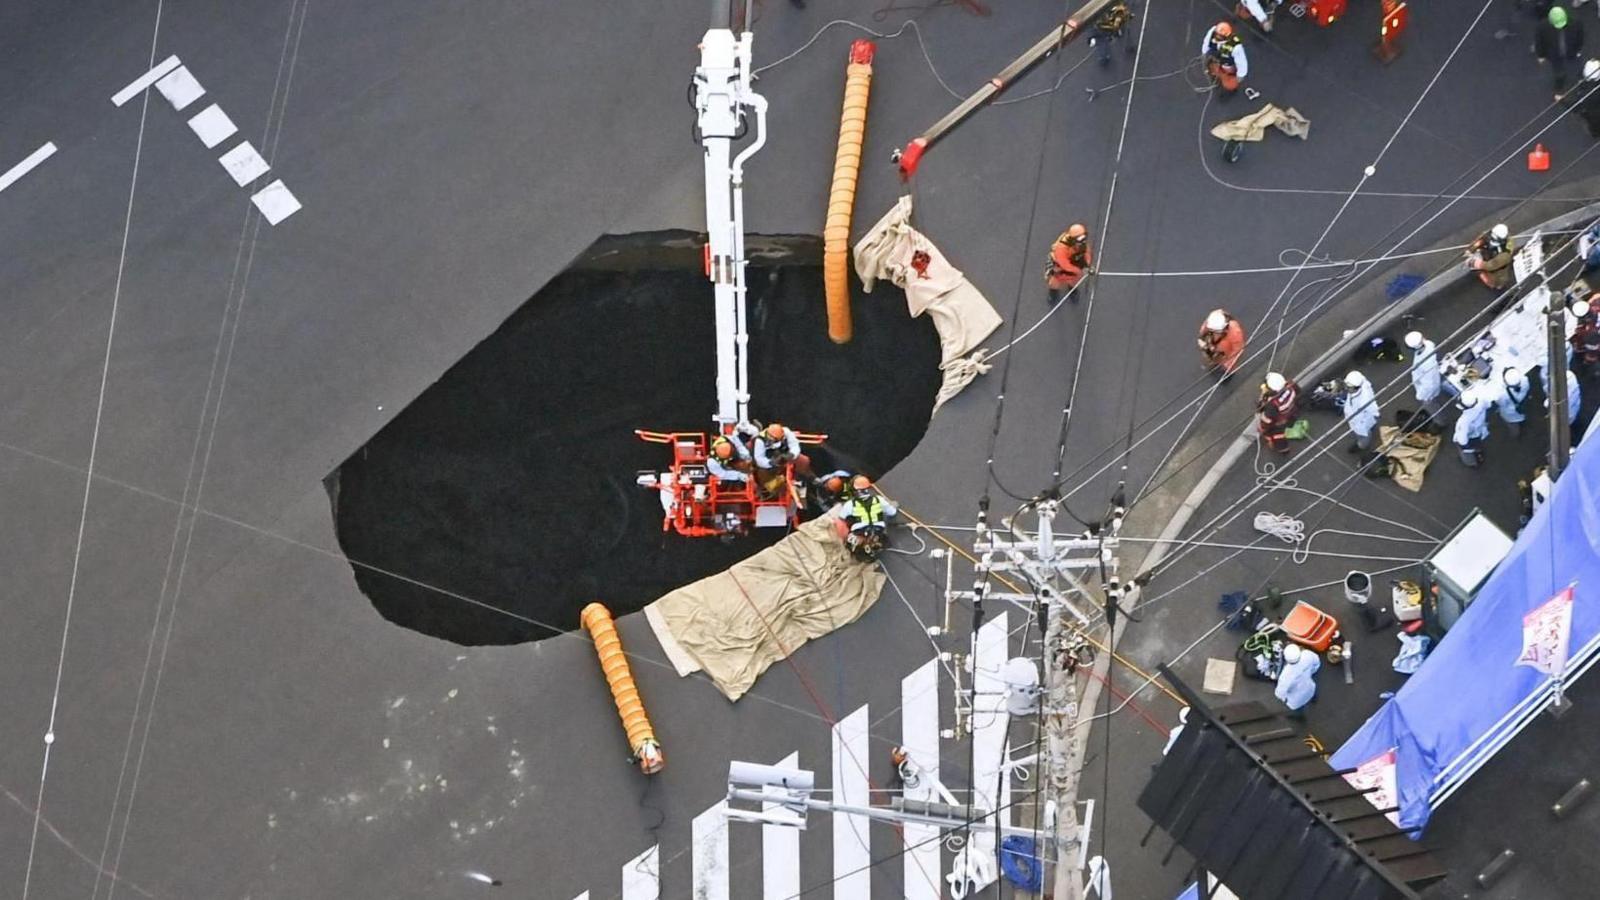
212,126
244,164
22,168
138,85
276,202
582,896
919,736
709,854
641,876
852,848
780,851
180,88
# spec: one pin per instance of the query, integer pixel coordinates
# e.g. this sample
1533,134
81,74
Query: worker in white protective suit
1472,427
1361,411
1425,377
1508,401
1297,681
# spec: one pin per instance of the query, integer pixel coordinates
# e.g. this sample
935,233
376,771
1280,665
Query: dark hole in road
511,480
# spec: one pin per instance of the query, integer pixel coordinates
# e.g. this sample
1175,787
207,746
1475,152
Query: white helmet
1291,653
1217,320
1354,380
1183,715
1591,70
1276,382
1514,377
1414,340
1581,307
1500,232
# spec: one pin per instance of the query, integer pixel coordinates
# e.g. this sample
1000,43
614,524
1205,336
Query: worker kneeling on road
1490,256
1070,259
1226,62
1221,341
1297,681
866,518
1279,407
728,460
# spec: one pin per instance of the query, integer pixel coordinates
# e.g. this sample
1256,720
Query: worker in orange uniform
729,459
1221,341
1070,259
1490,256
1279,407
1225,57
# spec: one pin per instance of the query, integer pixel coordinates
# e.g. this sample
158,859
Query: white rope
1284,527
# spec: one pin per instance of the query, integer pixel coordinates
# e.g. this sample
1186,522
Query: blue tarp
1470,697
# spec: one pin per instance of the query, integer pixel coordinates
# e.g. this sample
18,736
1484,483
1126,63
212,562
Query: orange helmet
1077,232
722,448
834,484
775,432
1223,30
861,483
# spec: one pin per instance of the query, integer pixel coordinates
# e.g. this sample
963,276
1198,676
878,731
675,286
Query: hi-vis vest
1222,51
867,511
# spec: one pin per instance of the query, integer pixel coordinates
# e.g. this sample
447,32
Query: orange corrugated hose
842,195
608,645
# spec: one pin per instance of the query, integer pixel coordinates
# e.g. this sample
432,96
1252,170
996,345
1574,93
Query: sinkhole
504,495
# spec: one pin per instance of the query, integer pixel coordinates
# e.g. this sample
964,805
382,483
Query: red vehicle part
1326,12
699,504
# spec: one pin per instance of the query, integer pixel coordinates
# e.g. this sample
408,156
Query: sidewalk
1354,522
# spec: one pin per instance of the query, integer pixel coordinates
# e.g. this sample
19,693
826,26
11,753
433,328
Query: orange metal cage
703,505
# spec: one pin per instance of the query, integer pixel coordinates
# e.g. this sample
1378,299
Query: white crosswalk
850,759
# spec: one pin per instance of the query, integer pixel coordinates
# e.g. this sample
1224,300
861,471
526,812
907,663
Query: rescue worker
1277,410
1297,681
1490,257
1221,341
1588,103
1508,400
866,519
1226,62
1109,28
1585,340
1472,427
1360,411
1589,241
729,459
832,489
1574,395
1260,10
1559,42
777,446
1425,377
1070,258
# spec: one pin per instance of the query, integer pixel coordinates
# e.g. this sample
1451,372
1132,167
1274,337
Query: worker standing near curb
1360,411
1508,402
1070,259
1221,341
1559,42
1226,62
1472,427
1490,257
1279,406
1425,377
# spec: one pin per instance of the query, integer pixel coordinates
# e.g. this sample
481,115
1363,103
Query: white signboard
1546,631
1528,260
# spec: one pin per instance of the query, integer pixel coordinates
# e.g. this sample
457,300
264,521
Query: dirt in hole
510,481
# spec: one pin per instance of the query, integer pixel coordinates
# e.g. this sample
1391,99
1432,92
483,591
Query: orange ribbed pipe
608,645
842,195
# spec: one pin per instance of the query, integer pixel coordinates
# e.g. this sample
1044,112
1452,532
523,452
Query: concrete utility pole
1556,369
1051,567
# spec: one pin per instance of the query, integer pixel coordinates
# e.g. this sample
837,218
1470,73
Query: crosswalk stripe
780,852
709,854
641,876
919,737
582,896
852,849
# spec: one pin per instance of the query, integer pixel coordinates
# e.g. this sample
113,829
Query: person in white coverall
1297,681
1508,402
1425,377
1361,411
1472,427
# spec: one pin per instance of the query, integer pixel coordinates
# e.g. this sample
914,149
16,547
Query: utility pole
1556,369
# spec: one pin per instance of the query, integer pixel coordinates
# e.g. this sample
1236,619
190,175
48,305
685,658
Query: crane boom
1058,37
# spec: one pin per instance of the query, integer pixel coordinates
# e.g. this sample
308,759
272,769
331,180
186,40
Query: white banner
1546,631
1379,772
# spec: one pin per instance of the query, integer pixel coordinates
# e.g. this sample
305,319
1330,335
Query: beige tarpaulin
892,249
735,624
1409,459
1254,126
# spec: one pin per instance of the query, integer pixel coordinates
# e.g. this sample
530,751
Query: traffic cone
1538,159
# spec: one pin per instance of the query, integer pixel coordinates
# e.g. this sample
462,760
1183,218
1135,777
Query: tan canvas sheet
1254,126
1409,460
735,624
